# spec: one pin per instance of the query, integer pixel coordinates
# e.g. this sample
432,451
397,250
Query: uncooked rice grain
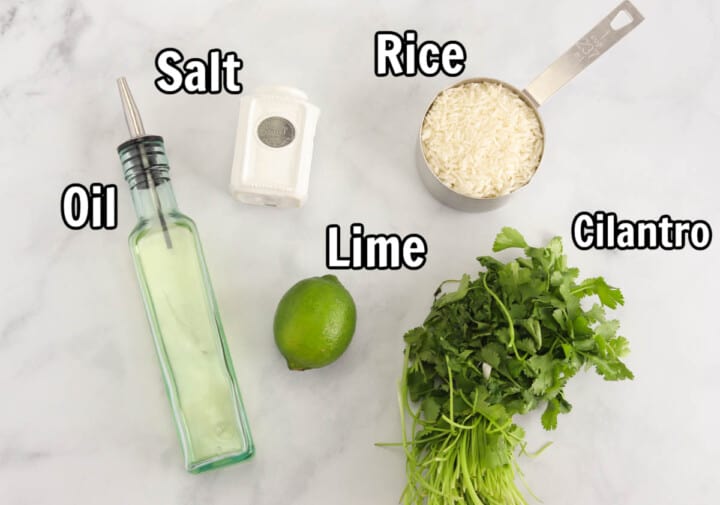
482,140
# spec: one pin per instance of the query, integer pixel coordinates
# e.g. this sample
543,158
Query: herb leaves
502,344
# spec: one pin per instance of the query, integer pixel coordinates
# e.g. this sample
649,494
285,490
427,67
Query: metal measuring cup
621,21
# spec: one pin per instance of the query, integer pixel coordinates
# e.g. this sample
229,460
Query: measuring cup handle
584,52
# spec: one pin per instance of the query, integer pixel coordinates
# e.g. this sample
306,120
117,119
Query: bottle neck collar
146,170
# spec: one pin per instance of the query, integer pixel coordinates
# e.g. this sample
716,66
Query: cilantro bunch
500,345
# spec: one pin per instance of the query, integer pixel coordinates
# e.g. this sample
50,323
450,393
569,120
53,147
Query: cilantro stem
462,457
511,325
450,381
459,426
581,289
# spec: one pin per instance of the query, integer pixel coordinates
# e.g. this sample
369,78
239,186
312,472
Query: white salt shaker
273,147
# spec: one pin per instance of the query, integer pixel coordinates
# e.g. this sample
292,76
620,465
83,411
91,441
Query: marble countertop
83,414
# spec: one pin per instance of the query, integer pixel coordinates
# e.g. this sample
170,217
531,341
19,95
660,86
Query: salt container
273,147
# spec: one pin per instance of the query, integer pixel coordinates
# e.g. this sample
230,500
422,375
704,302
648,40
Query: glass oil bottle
181,308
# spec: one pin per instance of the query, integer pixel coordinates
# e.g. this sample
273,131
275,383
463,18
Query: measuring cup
621,21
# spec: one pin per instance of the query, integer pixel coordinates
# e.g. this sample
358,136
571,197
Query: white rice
482,140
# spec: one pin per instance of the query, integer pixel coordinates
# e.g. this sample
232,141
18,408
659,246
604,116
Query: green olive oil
183,314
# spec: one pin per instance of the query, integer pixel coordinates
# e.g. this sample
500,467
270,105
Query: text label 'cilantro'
603,230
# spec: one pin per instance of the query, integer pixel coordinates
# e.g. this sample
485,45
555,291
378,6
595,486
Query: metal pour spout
132,114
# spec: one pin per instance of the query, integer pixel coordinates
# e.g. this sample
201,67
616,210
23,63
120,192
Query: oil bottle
181,308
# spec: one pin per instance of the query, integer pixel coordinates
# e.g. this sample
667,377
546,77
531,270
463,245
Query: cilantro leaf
611,369
608,295
456,295
607,329
533,327
619,346
543,366
430,409
415,335
490,354
555,406
508,238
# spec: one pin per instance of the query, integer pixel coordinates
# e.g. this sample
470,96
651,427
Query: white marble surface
83,415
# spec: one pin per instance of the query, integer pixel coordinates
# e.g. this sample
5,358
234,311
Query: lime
314,322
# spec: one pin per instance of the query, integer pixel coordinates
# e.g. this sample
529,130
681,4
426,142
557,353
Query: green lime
314,322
